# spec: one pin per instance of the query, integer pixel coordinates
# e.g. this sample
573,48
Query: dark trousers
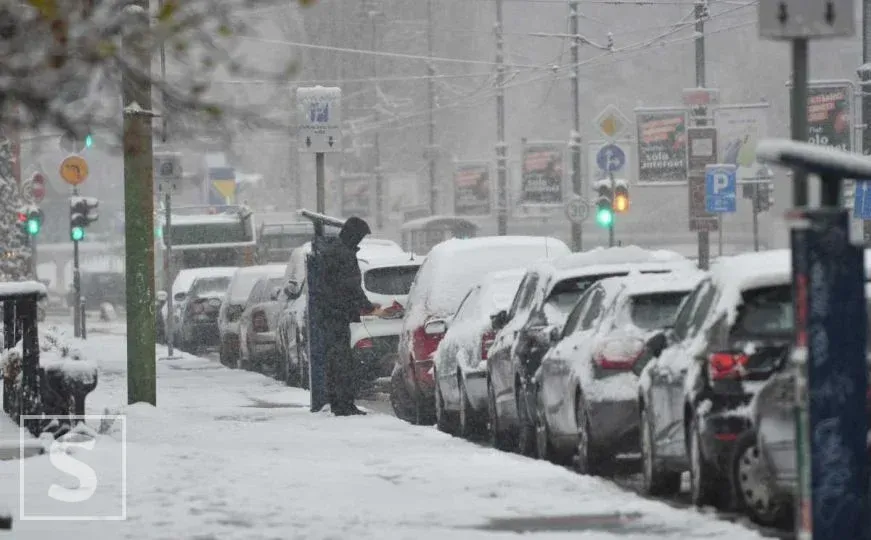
340,372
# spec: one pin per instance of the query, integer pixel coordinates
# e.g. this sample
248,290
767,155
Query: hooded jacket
344,296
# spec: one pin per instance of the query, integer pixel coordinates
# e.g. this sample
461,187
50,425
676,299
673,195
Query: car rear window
655,310
766,311
566,293
212,286
394,280
240,288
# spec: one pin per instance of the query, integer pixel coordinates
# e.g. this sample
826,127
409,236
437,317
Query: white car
182,289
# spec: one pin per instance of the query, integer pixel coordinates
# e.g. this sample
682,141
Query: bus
422,234
205,236
275,241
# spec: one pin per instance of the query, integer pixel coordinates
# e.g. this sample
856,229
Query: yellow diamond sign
611,122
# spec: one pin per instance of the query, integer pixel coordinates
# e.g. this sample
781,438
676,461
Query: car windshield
211,286
657,310
241,287
566,293
766,311
395,280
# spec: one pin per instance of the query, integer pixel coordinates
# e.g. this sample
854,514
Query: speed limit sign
577,209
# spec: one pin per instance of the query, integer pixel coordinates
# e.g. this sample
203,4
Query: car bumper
262,344
720,432
615,425
375,362
476,388
201,333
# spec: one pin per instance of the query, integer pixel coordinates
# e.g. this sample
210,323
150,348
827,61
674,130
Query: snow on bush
55,355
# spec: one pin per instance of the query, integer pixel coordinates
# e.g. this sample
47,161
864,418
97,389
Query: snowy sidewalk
229,454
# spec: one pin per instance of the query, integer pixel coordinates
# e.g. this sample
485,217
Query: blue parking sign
862,200
721,187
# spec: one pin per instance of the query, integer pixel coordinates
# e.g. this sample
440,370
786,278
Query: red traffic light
37,186
22,217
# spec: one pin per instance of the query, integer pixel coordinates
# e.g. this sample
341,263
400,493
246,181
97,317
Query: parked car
547,294
196,325
585,391
258,349
450,270
234,305
700,375
461,357
390,273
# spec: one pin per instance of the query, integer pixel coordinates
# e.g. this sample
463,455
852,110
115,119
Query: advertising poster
472,188
739,130
542,171
356,195
662,146
830,115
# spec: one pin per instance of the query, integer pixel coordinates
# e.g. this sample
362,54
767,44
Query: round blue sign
611,158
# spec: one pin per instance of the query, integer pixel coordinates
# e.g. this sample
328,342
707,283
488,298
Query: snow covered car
461,357
257,346
234,305
548,293
585,399
197,308
450,270
292,320
700,375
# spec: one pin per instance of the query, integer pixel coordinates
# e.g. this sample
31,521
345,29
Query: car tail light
486,341
259,322
618,354
726,365
424,344
364,343
234,312
195,307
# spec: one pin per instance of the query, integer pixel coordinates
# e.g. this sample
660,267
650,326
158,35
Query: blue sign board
829,286
862,200
721,189
610,158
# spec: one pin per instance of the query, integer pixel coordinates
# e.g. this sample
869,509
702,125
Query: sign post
611,158
701,152
611,124
320,131
74,171
168,174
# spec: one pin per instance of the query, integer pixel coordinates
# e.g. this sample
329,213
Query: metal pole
84,320
501,149
611,242
319,191
77,292
577,187
798,115
865,77
431,146
376,145
139,211
167,240
719,235
704,238
755,217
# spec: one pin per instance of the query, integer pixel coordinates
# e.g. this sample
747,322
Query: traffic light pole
611,241
167,241
501,146
77,292
704,237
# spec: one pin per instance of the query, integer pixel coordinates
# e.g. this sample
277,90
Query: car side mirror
179,296
161,296
276,292
652,349
554,334
292,289
436,327
499,320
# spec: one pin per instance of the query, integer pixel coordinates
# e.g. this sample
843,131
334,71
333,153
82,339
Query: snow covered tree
14,251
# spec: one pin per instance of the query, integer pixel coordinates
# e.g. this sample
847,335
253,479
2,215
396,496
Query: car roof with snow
637,283
465,245
276,270
380,259
186,277
605,260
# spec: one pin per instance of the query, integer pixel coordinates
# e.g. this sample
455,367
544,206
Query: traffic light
621,198
83,212
604,204
33,223
764,197
75,144
89,140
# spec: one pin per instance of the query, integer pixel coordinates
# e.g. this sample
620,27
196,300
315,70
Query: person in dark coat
344,302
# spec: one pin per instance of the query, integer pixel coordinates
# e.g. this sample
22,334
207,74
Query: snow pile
57,355
616,255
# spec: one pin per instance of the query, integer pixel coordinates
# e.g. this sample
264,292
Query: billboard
542,173
662,146
739,130
472,189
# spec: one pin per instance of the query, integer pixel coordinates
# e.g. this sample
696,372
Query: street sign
168,169
862,200
37,187
610,158
721,187
612,123
320,119
800,19
700,218
577,210
701,148
74,170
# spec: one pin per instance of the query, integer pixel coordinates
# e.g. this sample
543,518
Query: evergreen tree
14,250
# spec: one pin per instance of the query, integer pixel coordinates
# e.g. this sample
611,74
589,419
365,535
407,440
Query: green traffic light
77,234
89,141
33,227
604,217
158,232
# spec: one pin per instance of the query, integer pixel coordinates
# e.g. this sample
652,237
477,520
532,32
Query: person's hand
376,311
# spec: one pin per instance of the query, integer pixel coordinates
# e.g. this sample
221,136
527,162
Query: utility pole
139,208
699,119
865,92
376,146
501,147
430,84
577,187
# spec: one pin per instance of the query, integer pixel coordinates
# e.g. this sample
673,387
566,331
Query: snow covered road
234,455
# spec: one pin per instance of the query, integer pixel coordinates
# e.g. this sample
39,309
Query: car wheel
302,363
444,422
703,479
587,460
754,494
656,482
400,399
498,439
471,423
222,354
526,441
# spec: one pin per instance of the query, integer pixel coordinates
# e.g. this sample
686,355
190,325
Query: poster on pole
739,130
472,189
830,114
542,173
662,146
356,195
